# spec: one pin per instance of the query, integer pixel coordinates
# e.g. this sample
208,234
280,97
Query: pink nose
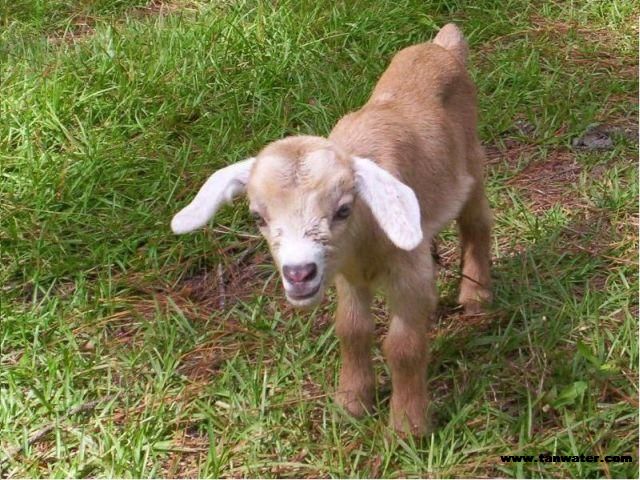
300,273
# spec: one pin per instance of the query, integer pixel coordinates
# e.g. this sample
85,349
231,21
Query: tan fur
419,125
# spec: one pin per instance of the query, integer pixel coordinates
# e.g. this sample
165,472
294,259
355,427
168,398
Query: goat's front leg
412,300
355,329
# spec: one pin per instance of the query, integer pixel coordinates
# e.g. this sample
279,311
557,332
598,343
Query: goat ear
221,187
393,204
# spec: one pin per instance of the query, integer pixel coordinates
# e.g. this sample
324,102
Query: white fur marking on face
393,204
300,251
221,187
296,250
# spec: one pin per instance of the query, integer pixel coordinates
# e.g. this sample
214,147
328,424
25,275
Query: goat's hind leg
474,224
355,329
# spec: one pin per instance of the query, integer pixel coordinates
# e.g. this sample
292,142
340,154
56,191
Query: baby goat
361,209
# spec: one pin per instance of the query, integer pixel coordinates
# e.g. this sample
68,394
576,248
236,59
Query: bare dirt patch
579,44
594,233
207,297
605,39
204,361
508,153
185,456
161,7
549,182
82,26
213,289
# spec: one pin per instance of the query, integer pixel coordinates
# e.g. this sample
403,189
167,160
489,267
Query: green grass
107,131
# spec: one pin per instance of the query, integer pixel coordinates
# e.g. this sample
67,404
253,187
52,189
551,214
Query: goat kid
361,209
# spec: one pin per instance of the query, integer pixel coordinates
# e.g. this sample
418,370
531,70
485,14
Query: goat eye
343,212
260,221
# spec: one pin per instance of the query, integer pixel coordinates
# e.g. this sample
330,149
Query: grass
113,113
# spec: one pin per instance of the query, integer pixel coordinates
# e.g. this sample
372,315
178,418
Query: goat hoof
405,428
410,419
353,404
473,302
472,307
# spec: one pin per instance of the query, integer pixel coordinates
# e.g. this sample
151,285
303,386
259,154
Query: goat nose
300,273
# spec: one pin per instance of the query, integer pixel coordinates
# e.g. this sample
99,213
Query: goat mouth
306,295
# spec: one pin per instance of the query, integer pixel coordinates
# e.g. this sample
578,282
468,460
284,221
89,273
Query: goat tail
450,38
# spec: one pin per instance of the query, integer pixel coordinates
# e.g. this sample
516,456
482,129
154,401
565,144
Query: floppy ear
221,187
393,204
